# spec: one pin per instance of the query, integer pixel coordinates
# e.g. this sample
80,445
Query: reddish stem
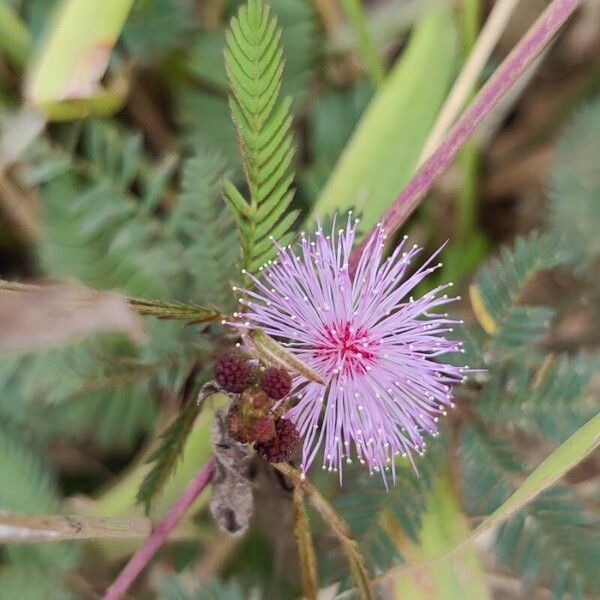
498,85
160,533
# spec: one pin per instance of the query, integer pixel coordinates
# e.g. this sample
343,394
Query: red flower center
351,351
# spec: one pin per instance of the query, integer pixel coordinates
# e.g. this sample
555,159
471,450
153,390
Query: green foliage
102,228
549,542
488,466
96,230
28,486
553,540
575,188
365,500
385,147
254,63
207,230
185,586
502,281
203,109
114,216
545,398
332,122
25,581
167,455
156,26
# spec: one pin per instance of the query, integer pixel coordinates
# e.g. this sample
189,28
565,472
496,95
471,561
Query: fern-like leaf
254,63
167,455
542,397
27,486
488,467
499,285
365,500
553,542
204,225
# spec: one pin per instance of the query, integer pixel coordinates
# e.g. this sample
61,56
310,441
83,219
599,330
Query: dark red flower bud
234,373
283,445
276,382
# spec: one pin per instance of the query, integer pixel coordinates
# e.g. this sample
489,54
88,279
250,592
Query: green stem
469,155
373,63
192,313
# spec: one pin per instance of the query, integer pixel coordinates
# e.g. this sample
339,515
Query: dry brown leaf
232,502
51,315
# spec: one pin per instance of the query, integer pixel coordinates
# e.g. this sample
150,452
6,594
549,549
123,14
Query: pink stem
160,533
499,83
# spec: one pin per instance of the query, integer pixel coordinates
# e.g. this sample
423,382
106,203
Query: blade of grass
505,77
479,54
584,441
74,56
385,147
443,525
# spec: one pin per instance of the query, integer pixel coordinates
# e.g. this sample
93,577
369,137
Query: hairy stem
306,549
192,313
160,533
338,526
509,72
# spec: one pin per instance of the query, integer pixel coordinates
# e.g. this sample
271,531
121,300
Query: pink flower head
374,345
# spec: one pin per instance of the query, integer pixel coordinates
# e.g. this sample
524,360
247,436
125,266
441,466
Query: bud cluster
251,418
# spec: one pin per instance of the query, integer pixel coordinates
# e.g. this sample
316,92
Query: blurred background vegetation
115,134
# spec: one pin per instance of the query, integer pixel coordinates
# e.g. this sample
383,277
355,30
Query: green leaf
461,578
254,63
563,459
385,147
203,223
27,486
539,396
368,506
553,541
174,310
168,454
487,465
75,53
497,289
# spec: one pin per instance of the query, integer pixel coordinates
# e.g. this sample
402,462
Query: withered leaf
55,314
232,502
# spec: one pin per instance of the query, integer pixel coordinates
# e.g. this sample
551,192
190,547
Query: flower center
346,350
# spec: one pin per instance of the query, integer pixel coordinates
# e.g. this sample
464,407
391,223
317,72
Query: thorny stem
498,85
160,533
